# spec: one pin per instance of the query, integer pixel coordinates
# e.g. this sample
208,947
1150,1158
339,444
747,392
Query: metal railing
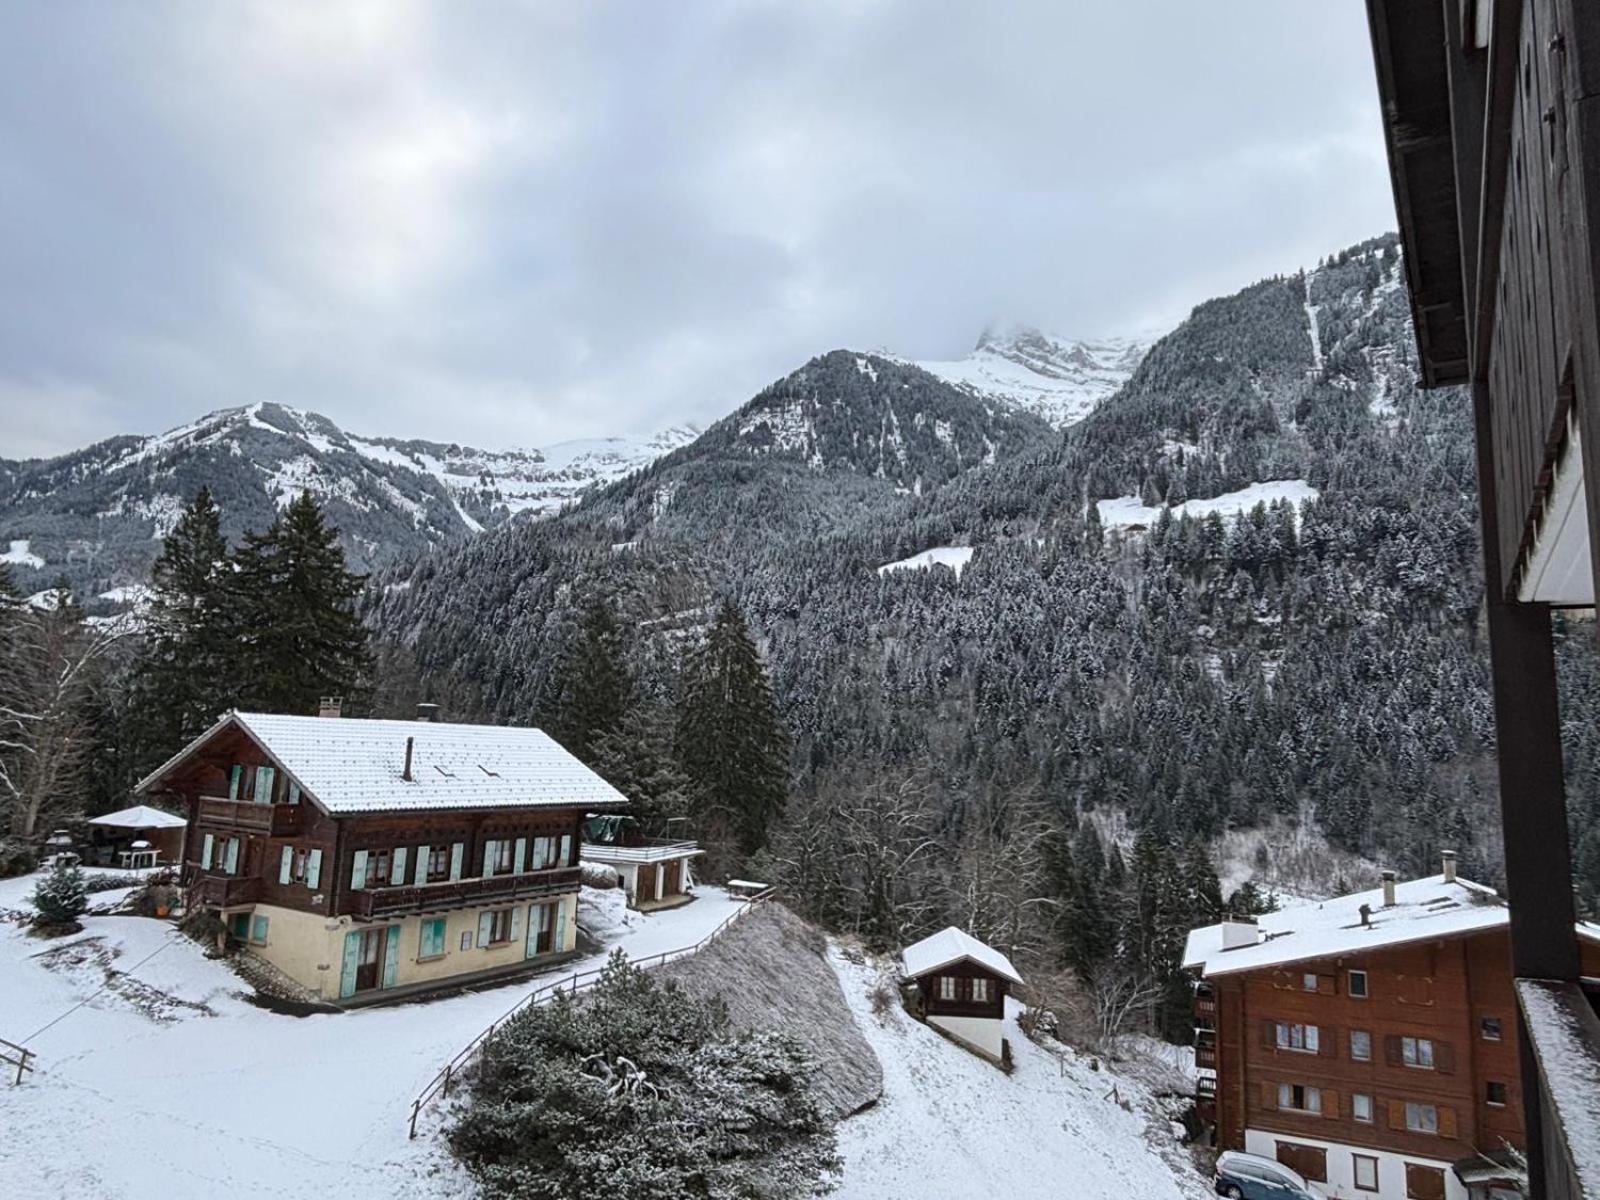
578,981
13,1055
644,850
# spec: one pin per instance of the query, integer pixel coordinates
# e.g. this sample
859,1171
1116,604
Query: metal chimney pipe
406,774
1388,889
1449,857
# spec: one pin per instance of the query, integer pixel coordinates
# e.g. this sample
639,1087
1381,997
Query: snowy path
140,1095
950,1126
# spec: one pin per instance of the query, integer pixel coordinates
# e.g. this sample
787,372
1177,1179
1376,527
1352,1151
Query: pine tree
61,896
595,686
639,759
300,638
732,746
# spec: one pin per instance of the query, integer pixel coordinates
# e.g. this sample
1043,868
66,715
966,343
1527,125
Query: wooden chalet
1370,1042
1491,114
960,986
371,859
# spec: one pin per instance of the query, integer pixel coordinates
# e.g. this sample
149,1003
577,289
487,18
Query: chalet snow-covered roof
351,765
951,946
1424,909
140,816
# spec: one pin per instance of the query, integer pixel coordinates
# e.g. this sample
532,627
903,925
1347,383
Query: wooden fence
578,981
13,1055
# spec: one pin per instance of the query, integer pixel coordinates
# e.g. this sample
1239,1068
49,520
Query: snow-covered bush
61,896
640,1090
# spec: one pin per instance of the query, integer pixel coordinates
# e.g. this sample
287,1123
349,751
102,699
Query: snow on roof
1424,909
140,816
952,945
351,765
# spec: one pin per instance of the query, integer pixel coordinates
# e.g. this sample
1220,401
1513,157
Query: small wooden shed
961,986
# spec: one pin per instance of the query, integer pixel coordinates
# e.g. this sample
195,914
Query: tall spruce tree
595,686
730,742
299,635
640,759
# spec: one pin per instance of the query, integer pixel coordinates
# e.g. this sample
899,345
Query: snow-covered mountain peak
1060,379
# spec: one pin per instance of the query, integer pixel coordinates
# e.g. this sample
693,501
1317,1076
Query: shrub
17,857
61,896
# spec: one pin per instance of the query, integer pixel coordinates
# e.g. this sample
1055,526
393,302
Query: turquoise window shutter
231,866
205,851
432,938
566,849
235,778
530,945
483,929
263,792
397,866
258,929
358,871
456,853
560,942
488,857
314,869
352,961
391,956
285,863
421,874
516,923
294,793
521,856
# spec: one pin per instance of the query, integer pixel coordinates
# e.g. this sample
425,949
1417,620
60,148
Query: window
438,863
503,859
543,853
1366,1172
1361,1107
1297,1097
1489,1028
947,987
1358,985
1360,1045
1422,1118
432,939
544,918
1298,1037
466,939
377,868
1417,1052
1308,982
500,926
297,864
1495,1093
258,930
980,991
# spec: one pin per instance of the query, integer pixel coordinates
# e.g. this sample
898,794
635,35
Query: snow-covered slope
1060,379
950,1126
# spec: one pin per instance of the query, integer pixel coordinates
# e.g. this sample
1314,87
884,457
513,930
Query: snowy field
1127,510
950,1126
954,557
167,1082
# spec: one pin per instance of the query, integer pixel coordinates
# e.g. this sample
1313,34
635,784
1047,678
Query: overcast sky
517,223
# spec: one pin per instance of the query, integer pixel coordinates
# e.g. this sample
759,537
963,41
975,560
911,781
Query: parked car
1250,1177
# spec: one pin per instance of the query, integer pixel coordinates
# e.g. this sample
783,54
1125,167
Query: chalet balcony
1563,1025
1205,1099
224,891
1205,1049
274,820
1205,1003
639,850
369,903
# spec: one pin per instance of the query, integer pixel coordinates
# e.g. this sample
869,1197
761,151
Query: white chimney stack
1238,932
1449,866
1388,889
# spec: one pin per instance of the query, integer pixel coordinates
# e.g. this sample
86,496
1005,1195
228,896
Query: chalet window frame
438,863
1363,1039
1308,1095
1357,1161
380,863
1422,1117
1490,1029
949,988
980,990
1298,1037
1493,1087
1417,1053
505,851
1354,990
1309,982
431,941
500,926
1357,1100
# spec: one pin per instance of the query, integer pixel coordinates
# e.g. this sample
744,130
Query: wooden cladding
1309,1161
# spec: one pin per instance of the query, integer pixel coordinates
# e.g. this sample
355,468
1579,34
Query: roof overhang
966,958
1410,47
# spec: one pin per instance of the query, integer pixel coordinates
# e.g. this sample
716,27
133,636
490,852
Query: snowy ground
954,557
167,1082
951,1126
1128,510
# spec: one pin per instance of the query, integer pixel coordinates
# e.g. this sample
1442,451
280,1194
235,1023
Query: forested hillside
1181,679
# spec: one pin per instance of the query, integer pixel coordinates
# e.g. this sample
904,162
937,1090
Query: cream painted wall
1341,1182
299,943
982,1033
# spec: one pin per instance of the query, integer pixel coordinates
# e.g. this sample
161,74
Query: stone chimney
1238,932
427,712
1449,857
1388,889
330,706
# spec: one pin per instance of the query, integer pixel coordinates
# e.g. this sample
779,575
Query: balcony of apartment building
247,816
405,899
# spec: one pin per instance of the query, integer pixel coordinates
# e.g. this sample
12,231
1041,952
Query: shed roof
140,816
350,765
1425,909
950,946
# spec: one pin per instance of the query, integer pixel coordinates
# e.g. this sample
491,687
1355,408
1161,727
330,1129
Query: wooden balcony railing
1564,1031
1205,1048
224,891
1205,1002
397,901
274,820
1205,1099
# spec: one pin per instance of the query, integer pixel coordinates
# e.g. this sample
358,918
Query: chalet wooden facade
1369,1042
371,859
1491,114
959,987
